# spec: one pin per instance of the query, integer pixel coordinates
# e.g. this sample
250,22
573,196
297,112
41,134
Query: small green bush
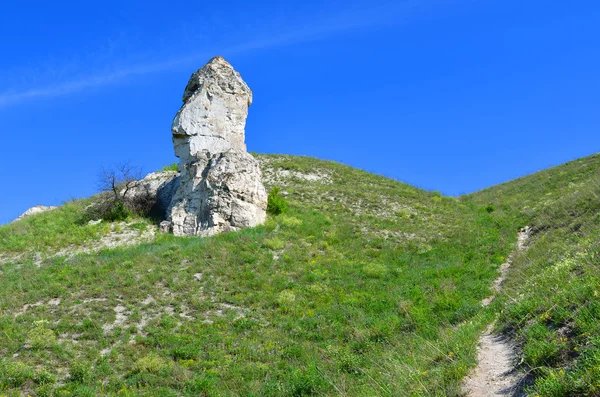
44,378
274,243
108,209
290,221
286,298
374,270
170,167
79,371
276,204
404,213
41,337
14,374
117,212
151,364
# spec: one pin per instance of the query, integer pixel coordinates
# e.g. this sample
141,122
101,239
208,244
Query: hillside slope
551,303
366,286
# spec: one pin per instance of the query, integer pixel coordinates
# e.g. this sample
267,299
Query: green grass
365,286
170,167
551,303
65,226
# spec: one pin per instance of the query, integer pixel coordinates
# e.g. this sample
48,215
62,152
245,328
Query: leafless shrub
121,194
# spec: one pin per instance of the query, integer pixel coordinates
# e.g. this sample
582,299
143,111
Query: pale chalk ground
495,373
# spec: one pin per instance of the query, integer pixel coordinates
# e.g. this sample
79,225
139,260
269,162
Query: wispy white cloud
317,31
81,84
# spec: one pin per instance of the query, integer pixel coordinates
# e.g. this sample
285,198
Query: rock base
217,192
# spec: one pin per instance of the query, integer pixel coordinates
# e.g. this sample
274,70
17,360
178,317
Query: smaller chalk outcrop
220,184
157,187
38,209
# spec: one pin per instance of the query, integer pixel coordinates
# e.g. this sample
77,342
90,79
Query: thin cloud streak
319,32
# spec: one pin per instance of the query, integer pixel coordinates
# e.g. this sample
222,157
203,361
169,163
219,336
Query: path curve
495,373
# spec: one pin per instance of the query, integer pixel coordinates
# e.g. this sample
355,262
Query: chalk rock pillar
220,186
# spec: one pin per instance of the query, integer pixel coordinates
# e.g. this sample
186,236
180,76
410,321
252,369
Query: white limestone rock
220,186
38,209
218,193
214,112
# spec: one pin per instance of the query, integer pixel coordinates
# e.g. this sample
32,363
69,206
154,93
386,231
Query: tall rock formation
220,187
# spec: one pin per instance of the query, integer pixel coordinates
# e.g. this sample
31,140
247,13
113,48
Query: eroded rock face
220,185
214,112
218,193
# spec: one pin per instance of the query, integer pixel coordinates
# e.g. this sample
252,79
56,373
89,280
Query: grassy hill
551,299
366,286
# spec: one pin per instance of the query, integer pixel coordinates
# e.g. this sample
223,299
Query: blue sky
449,95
